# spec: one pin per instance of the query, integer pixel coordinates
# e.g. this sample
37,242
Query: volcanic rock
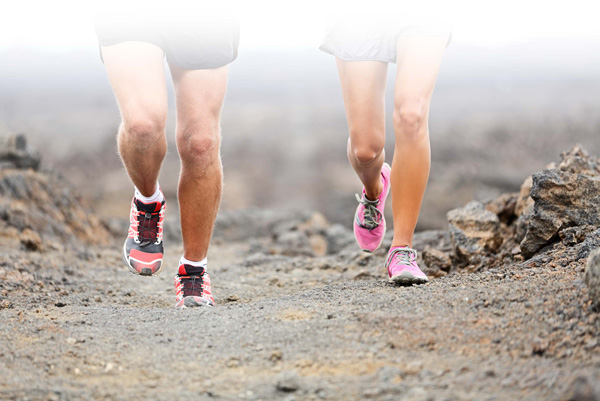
564,196
474,231
15,153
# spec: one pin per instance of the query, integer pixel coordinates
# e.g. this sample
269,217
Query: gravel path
79,326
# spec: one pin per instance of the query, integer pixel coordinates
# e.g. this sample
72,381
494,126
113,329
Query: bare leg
200,95
363,88
419,59
136,73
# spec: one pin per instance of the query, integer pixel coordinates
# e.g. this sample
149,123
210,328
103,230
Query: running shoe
143,248
402,266
369,222
192,287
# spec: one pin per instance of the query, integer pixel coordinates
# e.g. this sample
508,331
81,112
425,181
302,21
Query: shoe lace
372,216
147,227
402,256
192,285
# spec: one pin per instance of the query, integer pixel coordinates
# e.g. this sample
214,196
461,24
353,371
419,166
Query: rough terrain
302,313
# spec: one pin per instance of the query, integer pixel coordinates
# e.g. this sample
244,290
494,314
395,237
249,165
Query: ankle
374,195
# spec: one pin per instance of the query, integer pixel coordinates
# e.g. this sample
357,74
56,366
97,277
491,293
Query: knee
367,152
198,145
144,131
410,121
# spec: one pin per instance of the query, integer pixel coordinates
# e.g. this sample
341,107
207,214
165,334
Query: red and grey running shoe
143,248
192,287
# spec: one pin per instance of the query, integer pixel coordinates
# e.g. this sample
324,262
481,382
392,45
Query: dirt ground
76,325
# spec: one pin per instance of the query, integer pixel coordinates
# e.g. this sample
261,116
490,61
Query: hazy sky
67,25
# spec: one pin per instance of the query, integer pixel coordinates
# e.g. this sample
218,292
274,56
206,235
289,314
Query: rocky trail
509,314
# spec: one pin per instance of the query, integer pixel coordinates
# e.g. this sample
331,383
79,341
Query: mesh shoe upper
143,248
192,287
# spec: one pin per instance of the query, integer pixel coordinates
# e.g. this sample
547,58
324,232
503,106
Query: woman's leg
363,88
419,59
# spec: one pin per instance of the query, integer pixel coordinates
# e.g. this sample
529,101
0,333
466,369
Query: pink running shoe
402,266
369,222
192,287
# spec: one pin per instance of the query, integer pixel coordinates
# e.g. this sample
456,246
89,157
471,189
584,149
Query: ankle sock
156,197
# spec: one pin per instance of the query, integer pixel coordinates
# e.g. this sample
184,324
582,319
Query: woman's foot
402,266
369,222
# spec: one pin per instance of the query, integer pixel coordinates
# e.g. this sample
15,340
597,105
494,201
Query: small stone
276,356
31,240
71,340
539,346
288,384
233,298
233,363
109,366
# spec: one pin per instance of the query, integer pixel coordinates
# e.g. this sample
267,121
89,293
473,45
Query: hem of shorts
327,50
188,66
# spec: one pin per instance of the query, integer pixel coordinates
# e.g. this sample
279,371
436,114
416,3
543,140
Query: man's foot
402,266
143,248
192,287
369,222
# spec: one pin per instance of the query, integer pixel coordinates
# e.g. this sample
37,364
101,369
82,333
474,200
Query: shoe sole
193,302
384,223
407,278
146,271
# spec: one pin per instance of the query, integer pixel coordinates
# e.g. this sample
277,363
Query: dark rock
564,196
15,153
473,231
438,263
504,207
592,278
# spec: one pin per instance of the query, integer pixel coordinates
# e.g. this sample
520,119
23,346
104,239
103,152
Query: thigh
363,88
136,73
199,96
419,59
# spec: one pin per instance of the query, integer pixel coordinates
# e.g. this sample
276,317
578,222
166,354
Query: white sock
202,263
156,197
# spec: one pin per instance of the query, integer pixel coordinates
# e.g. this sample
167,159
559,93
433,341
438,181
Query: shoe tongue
148,207
185,270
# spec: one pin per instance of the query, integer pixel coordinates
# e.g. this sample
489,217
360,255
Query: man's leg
419,59
199,97
136,73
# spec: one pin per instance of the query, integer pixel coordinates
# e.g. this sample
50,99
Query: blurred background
519,84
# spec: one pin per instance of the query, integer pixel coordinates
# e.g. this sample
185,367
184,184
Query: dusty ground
76,325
